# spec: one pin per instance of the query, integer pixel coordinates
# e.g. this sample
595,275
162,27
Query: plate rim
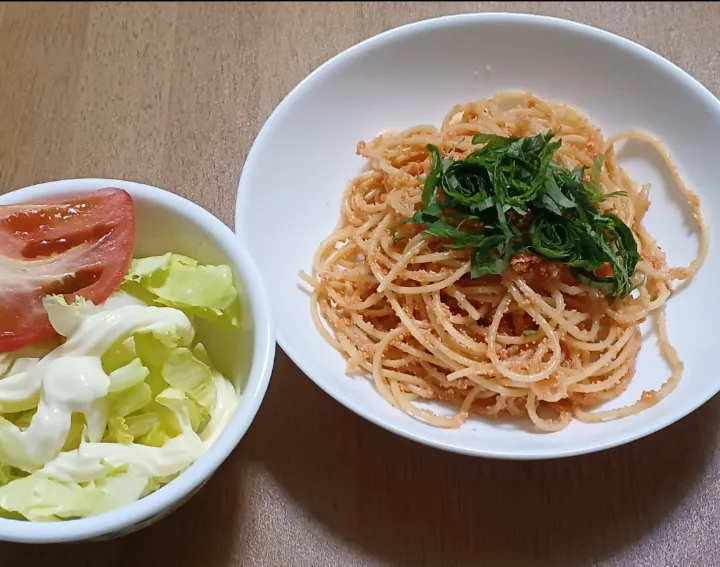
352,404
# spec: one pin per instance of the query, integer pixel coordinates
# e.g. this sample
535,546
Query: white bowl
169,223
292,182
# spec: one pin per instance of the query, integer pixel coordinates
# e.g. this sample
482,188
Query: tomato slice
78,245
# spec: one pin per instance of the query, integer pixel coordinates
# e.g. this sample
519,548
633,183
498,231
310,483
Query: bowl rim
396,34
177,491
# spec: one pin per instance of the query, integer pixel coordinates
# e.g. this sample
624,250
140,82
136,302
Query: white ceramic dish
292,182
169,223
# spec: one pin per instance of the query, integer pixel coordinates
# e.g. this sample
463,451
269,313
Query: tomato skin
78,246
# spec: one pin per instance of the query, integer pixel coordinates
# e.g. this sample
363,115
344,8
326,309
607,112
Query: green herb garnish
509,196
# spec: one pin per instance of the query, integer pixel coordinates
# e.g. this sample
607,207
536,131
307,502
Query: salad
106,394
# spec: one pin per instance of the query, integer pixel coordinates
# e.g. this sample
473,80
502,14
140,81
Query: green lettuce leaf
134,416
141,424
153,350
22,419
75,436
176,401
40,499
118,431
184,371
165,426
119,490
120,354
128,401
176,415
12,452
66,318
156,424
128,376
7,474
206,291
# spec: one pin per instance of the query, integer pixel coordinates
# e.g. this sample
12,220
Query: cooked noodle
529,342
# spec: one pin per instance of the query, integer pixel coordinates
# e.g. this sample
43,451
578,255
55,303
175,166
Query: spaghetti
532,341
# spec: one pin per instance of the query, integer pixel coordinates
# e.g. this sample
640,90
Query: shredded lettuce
12,452
118,431
162,406
75,435
174,280
65,318
6,474
40,499
165,425
154,349
129,401
184,371
119,490
128,376
118,355
140,425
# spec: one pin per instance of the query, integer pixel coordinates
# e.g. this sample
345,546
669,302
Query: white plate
292,182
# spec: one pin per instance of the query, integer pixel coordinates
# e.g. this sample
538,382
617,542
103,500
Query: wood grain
173,94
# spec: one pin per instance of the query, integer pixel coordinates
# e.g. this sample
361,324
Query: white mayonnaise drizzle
70,379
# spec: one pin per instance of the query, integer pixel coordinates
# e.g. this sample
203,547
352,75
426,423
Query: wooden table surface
172,95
